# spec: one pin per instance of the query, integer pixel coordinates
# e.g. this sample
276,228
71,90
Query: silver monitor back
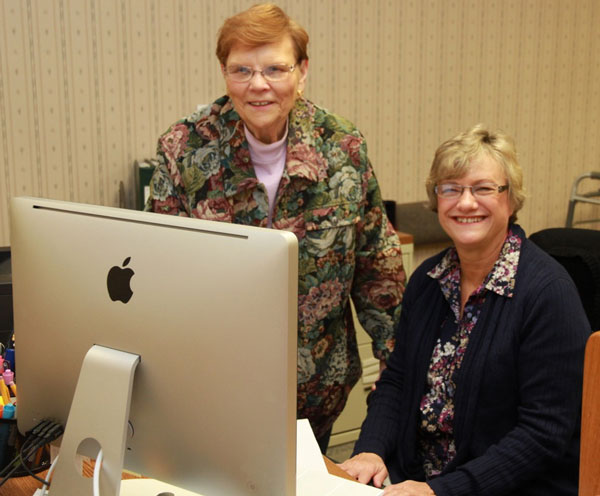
213,316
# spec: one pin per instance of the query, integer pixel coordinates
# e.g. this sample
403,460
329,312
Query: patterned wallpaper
86,87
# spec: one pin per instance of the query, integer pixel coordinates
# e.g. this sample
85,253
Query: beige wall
86,86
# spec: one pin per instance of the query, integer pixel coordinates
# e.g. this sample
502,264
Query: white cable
48,475
96,481
97,468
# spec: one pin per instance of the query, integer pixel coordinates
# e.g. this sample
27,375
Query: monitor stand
100,411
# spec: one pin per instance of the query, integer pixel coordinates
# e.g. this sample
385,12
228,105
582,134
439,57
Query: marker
8,376
9,356
4,391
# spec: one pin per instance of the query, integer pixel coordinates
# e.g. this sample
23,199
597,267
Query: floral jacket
329,197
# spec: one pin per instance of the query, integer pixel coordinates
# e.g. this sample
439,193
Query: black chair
578,250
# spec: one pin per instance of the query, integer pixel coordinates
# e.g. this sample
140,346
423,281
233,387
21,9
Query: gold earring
299,93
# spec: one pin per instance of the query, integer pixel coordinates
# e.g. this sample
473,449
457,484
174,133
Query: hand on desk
409,488
366,466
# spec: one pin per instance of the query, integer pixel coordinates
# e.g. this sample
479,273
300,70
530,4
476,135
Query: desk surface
333,469
26,486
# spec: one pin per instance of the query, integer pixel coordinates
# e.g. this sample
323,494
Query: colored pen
4,391
8,376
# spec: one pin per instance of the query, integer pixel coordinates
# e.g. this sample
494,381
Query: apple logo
118,282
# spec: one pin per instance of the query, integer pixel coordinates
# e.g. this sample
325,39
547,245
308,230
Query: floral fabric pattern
436,439
329,198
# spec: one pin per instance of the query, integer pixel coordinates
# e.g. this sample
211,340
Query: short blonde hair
261,24
454,159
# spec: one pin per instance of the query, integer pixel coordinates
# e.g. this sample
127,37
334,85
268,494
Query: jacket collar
303,161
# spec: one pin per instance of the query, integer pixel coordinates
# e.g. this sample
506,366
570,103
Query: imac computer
166,341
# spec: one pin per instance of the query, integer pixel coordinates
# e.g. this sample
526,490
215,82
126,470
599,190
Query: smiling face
262,105
477,224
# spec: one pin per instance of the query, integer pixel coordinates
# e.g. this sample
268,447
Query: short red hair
260,25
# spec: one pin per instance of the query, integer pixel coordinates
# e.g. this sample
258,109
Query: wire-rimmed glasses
272,73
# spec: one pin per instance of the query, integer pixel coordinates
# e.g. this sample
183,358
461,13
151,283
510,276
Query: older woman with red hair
264,155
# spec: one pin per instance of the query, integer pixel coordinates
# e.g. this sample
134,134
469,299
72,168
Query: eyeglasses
272,73
450,190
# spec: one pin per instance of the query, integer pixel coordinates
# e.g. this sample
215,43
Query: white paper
313,483
308,454
312,478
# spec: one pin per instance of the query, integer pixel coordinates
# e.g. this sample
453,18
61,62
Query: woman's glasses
450,190
272,73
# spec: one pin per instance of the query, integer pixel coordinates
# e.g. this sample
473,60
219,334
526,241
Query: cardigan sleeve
552,335
388,404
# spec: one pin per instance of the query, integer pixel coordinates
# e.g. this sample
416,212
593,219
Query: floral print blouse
436,440
329,197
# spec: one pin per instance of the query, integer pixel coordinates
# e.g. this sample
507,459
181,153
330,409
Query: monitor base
100,412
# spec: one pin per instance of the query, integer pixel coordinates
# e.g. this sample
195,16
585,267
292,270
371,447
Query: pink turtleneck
269,162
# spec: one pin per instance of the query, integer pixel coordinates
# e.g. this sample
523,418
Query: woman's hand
382,367
366,466
409,488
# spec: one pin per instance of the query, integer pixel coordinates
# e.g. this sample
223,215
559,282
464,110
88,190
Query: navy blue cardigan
518,397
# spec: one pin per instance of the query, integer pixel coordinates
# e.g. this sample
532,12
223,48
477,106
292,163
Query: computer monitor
212,314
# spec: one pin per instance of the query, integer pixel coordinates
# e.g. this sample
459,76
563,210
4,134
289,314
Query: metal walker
576,197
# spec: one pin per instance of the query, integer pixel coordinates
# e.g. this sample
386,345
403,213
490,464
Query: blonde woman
481,395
